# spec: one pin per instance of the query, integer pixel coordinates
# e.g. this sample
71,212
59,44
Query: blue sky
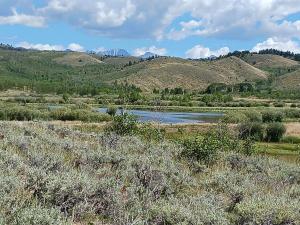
184,28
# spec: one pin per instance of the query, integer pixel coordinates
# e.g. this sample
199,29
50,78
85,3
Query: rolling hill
265,61
77,59
290,81
50,71
176,72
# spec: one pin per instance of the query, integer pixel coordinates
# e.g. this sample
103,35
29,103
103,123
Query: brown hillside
120,60
290,81
263,61
174,72
77,59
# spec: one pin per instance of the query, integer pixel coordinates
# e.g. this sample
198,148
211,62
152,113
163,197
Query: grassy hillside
51,71
77,59
263,61
175,72
290,81
120,60
46,71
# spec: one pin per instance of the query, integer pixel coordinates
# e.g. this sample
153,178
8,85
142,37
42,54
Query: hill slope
263,61
49,71
290,81
175,72
77,59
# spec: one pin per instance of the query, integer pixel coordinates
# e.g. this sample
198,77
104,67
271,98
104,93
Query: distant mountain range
148,55
124,53
114,53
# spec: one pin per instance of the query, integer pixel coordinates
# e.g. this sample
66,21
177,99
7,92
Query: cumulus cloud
152,49
91,14
116,18
159,19
47,47
43,47
23,19
76,47
238,19
279,44
199,51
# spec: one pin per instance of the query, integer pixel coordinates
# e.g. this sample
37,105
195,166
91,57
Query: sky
183,28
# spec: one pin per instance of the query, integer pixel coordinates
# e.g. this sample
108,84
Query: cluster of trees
10,47
129,93
171,91
228,88
286,54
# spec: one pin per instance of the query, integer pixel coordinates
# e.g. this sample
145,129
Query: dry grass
77,59
120,60
173,72
290,81
293,129
269,61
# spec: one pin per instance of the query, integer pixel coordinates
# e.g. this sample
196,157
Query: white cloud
43,47
279,44
76,47
152,49
116,18
199,51
27,20
135,18
47,47
238,19
191,24
90,14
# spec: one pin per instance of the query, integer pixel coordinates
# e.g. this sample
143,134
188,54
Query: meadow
64,162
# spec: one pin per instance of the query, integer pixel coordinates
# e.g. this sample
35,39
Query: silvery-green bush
57,175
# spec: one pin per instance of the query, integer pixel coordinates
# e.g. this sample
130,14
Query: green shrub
80,115
274,132
123,125
279,104
234,117
151,133
111,110
253,116
292,113
66,97
206,149
20,113
252,130
272,116
291,139
201,149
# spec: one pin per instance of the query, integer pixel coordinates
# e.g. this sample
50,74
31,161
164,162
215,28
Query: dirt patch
293,129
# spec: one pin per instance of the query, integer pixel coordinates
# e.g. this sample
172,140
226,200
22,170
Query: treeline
262,89
286,54
10,47
271,51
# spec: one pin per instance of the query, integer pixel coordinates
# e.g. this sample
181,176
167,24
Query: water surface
172,117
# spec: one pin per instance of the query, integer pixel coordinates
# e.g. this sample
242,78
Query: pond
172,117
